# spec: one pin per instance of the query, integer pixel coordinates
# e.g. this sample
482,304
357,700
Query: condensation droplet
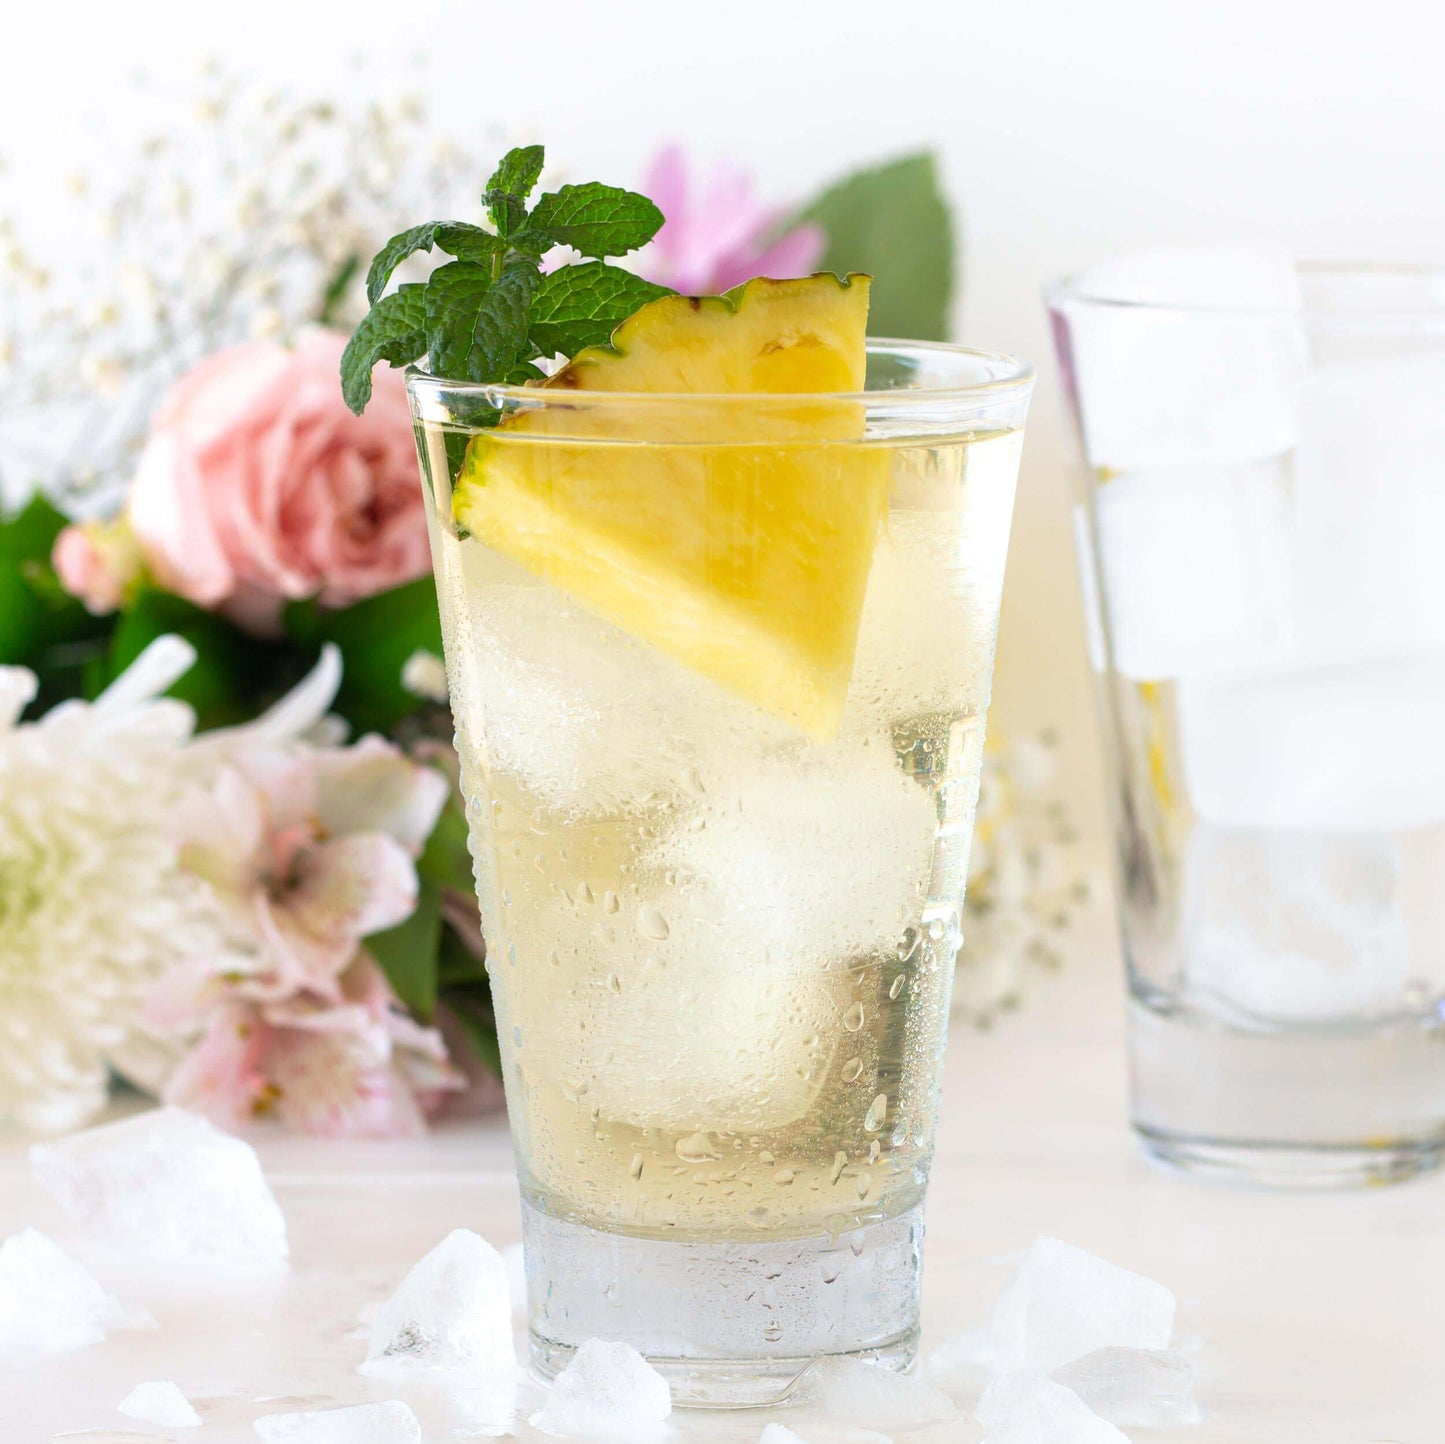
512,954
516,1037
853,1018
840,1162
897,986
783,1177
609,901
864,1183
614,982
696,1148
635,1167
907,944
877,1112
875,1151
652,924
773,1333
584,893
553,958
766,1158
851,1069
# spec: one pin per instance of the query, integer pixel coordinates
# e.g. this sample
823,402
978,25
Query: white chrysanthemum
93,905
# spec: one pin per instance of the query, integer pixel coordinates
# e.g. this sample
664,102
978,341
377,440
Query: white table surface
1318,1317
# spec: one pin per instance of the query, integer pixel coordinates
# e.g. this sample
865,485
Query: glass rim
1072,289
1014,378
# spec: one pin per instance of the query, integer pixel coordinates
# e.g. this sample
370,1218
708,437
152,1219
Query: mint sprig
490,314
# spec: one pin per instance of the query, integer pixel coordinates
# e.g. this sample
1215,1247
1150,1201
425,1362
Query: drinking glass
1260,539
719,667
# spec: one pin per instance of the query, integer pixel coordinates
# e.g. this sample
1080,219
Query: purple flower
718,235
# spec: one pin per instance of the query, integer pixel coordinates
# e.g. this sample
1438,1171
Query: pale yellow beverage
722,924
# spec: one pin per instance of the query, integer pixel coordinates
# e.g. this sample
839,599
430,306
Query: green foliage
407,953
478,317
376,637
892,222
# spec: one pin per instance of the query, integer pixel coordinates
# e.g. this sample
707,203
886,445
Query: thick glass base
1290,1106
729,1323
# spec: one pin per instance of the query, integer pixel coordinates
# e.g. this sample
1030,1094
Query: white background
1067,131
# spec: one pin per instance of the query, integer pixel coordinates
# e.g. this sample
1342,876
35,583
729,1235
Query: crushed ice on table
159,1402
516,1277
960,1361
871,1396
1148,1388
170,1187
391,1422
606,1389
1062,1302
1029,1409
49,1303
1294,927
451,1312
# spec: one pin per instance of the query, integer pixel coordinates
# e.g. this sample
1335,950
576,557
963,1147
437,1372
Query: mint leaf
893,222
476,328
466,242
595,219
517,172
393,330
582,305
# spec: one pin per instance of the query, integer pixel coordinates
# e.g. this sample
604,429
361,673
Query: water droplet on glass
516,1037
651,923
936,929
696,1148
783,1177
851,1069
614,982
766,1158
875,1151
840,1162
907,944
635,1167
553,958
864,1183
853,1018
773,1333
584,893
512,954
877,1112
609,901
897,986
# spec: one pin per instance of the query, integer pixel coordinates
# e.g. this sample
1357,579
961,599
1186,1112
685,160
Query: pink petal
665,183
336,1086
222,1076
350,887
795,254
374,787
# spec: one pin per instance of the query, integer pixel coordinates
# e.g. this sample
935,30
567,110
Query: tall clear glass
719,668
1261,534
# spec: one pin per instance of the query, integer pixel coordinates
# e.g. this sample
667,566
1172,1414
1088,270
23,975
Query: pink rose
257,484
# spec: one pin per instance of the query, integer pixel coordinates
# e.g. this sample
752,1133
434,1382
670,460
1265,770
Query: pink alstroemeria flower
307,851
719,235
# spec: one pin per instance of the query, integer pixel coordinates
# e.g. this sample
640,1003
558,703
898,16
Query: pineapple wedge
737,539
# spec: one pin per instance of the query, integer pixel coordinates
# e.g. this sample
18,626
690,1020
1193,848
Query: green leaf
506,210
457,238
376,637
336,289
477,329
516,174
407,953
394,330
892,222
595,219
582,305
447,859
480,1027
